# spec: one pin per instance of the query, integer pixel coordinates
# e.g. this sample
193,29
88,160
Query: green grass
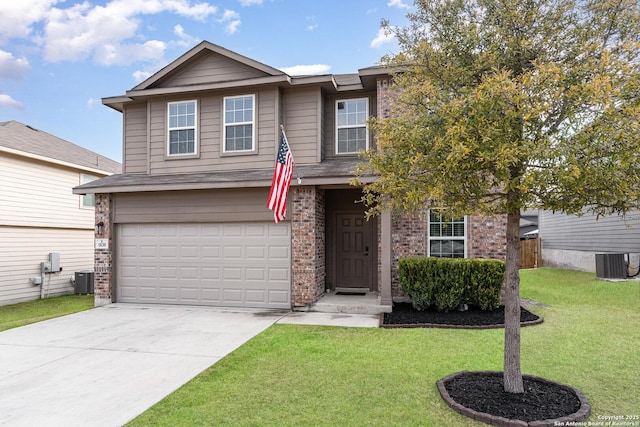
24,313
325,376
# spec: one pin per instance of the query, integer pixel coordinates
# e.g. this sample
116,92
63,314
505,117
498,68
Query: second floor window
87,200
239,123
447,236
182,127
351,125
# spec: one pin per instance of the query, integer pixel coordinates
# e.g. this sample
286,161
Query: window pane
182,141
453,229
239,138
446,248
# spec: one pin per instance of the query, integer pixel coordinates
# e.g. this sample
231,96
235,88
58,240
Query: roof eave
283,78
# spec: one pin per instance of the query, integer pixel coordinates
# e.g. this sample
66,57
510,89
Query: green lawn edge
25,313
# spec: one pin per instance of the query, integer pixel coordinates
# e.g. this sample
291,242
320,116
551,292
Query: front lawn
326,376
24,313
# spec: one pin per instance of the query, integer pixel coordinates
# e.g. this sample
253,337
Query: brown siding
302,110
210,156
193,206
211,68
135,134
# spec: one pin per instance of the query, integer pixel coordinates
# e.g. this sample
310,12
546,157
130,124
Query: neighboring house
40,215
187,221
529,224
572,242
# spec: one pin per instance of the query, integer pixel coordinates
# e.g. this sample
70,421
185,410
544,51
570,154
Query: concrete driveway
105,366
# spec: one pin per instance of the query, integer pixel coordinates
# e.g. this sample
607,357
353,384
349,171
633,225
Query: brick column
308,269
103,258
408,239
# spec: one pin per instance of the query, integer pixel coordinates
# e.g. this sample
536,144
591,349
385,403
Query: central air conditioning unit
611,266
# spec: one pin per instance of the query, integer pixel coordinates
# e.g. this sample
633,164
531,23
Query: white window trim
225,124
463,239
85,179
365,125
194,127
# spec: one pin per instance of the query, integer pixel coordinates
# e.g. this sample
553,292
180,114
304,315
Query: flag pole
286,140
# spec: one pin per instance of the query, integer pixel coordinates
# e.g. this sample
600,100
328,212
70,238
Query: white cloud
245,3
306,70
140,76
109,54
17,17
91,102
105,32
370,11
311,27
186,40
398,3
8,102
11,67
232,20
383,37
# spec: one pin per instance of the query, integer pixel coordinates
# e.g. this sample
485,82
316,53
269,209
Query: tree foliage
537,98
504,105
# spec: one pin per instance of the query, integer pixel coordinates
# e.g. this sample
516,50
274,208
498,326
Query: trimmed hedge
447,283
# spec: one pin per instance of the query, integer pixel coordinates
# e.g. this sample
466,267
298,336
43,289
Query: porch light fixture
99,227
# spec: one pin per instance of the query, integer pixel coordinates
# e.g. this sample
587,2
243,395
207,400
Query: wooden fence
531,253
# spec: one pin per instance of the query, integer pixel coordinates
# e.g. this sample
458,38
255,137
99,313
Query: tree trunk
512,373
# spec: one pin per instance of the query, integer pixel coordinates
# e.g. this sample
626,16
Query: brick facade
103,258
486,238
308,264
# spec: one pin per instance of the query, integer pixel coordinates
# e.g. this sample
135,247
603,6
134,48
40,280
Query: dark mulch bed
481,395
405,316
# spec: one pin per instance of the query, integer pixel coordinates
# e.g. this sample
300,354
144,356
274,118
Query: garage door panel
278,252
278,274
232,252
245,265
278,297
255,274
255,296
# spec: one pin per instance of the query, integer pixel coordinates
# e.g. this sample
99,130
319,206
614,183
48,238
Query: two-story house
187,221
39,214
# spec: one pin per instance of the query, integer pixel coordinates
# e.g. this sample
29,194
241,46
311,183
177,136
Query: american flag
281,180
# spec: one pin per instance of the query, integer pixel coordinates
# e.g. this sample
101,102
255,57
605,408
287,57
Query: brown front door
355,252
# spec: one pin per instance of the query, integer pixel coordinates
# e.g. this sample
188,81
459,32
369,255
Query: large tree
504,105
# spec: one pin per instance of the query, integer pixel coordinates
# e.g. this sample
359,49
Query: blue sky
58,58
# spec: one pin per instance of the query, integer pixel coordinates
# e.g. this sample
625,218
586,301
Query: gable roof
211,67
204,47
18,138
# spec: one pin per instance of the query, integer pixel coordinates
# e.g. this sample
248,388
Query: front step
368,303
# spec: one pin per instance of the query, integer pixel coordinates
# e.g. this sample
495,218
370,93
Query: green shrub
447,283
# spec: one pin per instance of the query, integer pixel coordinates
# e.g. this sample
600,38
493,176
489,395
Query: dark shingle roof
21,137
341,169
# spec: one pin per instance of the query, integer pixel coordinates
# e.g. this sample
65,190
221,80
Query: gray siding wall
212,68
135,125
607,234
299,111
233,205
210,134
302,121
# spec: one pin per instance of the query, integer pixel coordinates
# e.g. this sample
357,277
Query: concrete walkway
105,366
